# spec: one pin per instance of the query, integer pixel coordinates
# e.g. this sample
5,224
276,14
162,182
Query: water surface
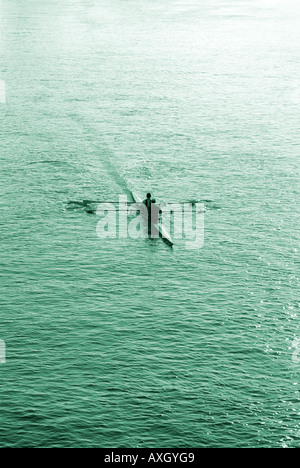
124,343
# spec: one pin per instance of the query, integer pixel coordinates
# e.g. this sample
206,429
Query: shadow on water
209,204
84,206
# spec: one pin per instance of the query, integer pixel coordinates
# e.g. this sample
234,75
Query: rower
148,201
153,210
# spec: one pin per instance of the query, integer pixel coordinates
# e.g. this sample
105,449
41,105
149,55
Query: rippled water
124,343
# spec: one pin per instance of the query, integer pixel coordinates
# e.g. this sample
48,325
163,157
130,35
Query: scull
163,233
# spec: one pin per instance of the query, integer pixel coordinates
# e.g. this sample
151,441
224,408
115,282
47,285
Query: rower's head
153,201
149,195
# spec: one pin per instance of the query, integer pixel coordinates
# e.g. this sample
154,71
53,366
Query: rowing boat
162,232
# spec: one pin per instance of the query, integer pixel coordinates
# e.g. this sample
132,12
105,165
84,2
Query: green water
124,343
